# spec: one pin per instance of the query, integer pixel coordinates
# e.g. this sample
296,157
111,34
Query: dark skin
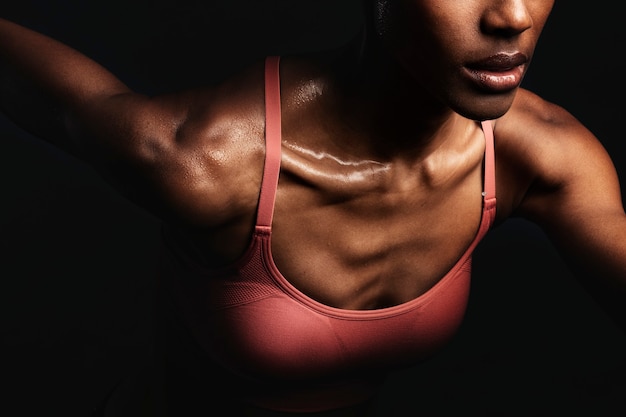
356,131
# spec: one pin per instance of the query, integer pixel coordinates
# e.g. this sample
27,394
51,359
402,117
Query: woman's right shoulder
206,168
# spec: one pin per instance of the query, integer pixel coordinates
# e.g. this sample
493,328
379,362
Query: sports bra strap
490,164
273,141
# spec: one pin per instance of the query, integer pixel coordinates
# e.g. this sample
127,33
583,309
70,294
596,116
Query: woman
371,168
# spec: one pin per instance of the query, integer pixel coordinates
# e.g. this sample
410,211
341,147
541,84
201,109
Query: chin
484,108
478,115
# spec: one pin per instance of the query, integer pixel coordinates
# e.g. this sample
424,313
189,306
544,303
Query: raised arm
151,149
47,86
67,99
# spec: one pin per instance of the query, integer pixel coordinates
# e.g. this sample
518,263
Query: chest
378,249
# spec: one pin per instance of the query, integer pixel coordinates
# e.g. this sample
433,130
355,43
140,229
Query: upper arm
186,157
64,97
573,190
175,155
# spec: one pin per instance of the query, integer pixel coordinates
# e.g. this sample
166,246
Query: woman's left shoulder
541,145
543,135
534,119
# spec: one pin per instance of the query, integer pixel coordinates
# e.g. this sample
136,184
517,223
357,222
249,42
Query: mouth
497,73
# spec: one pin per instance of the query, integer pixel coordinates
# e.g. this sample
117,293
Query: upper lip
499,62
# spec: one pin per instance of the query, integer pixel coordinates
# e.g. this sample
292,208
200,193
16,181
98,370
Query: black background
77,261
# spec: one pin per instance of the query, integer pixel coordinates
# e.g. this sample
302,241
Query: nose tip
507,17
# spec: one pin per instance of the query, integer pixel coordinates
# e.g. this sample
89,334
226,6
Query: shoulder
538,115
542,149
203,150
206,161
539,133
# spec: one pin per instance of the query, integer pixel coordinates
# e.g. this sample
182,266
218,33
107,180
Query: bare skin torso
350,231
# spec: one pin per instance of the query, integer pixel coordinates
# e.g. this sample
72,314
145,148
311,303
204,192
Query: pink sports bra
289,352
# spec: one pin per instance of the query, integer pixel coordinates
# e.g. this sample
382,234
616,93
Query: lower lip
496,81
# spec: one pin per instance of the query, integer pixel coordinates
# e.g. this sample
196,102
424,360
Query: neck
381,100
